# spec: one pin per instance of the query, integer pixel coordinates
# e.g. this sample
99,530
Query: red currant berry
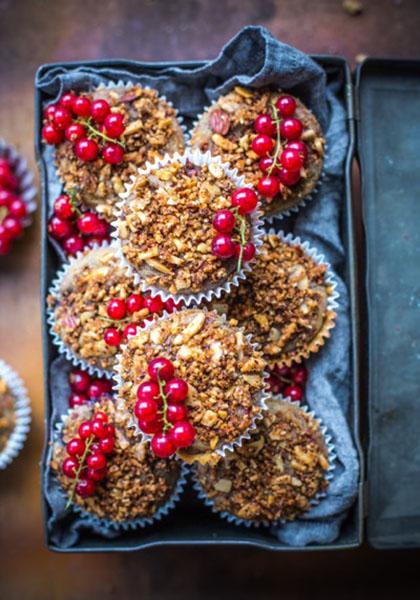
130,330
77,399
150,427
291,160
268,186
88,223
300,375
62,118
300,146
182,434
86,150
162,445
67,100
70,466
116,309
98,388
264,124
171,305
96,460
248,251
96,474
5,245
286,106
274,384
134,303
6,198
291,129
113,154
289,177
153,305
81,106
63,207
59,228
176,412
161,368
107,445
114,125
17,208
246,199
224,221
85,429
76,447
110,429
85,488
112,337
49,112
146,410
176,390
12,226
222,246
99,428
51,135
99,110
262,145
282,371
100,416
148,390
73,244
294,392
74,132
265,165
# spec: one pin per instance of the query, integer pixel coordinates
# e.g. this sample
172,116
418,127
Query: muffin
286,303
223,371
277,475
167,233
84,325
132,489
151,130
229,127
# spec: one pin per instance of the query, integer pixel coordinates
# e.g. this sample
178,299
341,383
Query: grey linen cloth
252,58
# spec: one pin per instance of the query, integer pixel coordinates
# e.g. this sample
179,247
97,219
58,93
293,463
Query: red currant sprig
89,125
74,229
243,202
87,455
120,312
160,409
281,158
85,388
12,208
289,381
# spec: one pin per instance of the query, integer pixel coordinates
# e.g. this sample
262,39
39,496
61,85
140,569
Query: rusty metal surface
35,32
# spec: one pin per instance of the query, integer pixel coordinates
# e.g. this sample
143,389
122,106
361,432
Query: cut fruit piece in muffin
284,303
151,129
276,475
133,485
223,372
170,231
271,137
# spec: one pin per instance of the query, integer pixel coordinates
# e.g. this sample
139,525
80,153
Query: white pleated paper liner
261,397
329,474
55,290
278,213
129,524
22,412
26,189
212,290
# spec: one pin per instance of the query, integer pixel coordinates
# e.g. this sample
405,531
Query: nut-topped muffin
276,475
222,371
108,472
104,136
271,137
93,306
186,227
286,303
7,414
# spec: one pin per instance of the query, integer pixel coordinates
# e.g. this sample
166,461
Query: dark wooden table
33,32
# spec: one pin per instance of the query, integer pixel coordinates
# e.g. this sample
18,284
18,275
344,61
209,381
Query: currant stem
94,131
76,480
242,232
72,195
278,140
166,424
